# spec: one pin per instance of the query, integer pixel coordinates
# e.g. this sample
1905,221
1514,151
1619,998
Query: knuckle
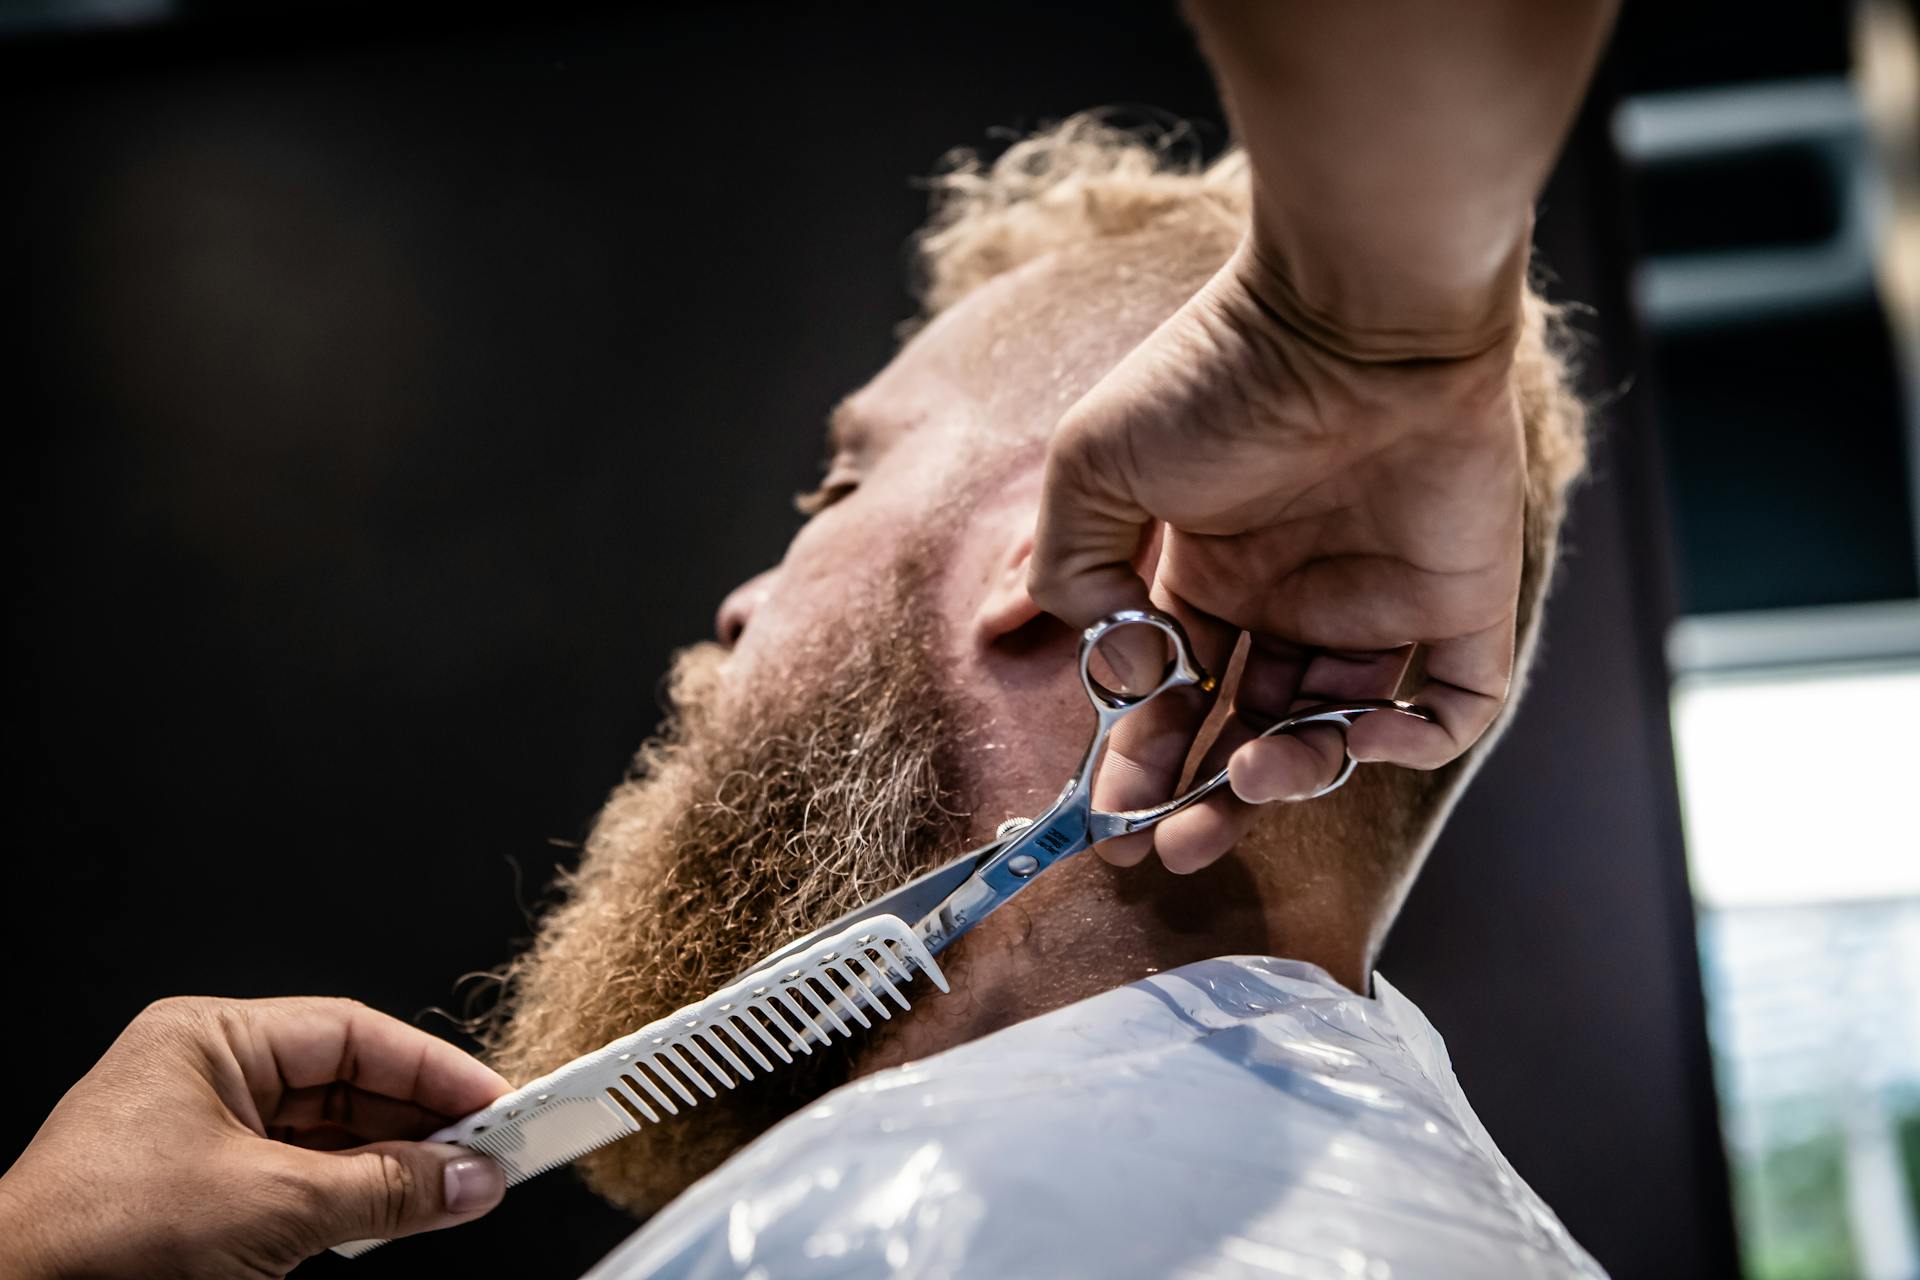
1044,582
395,1189
1078,435
175,1009
177,1024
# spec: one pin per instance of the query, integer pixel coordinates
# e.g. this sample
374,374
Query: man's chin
748,822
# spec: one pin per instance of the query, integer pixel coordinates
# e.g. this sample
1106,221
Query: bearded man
1303,400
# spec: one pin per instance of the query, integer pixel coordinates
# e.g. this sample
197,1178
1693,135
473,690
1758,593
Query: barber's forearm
1397,149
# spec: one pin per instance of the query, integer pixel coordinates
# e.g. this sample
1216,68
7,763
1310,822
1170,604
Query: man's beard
757,815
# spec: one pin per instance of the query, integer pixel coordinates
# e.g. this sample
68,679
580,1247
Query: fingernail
473,1182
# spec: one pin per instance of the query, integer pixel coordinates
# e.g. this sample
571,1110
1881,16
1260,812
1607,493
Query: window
1800,787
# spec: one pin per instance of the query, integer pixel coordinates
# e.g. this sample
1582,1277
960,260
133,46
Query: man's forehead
1014,354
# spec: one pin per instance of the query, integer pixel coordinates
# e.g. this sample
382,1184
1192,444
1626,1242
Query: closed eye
831,490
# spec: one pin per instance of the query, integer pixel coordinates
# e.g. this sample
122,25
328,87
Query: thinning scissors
946,902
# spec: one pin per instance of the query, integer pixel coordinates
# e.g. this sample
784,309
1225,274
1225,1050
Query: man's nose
738,608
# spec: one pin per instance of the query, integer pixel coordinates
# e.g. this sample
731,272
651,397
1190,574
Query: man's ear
1007,615
1006,610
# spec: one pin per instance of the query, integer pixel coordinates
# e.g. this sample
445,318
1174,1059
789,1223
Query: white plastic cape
1239,1117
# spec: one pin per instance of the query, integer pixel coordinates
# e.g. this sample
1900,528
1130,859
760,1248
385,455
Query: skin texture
207,1143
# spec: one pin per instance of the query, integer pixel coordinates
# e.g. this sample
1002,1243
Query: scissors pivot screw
1023,864
1012,827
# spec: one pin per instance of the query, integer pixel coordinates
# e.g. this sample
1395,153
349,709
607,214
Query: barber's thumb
400,1188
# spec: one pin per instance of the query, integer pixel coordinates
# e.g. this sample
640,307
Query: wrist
1362,390
1380,312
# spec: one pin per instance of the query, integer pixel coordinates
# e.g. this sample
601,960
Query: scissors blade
912,902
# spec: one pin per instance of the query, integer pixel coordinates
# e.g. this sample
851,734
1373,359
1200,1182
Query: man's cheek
831,576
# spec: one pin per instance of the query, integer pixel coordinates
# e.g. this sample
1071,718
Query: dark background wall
388,401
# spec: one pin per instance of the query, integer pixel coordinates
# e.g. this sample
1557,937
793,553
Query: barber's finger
1290,766
1198,837
391,1189
1150,746
1264,689
1090,529
1466,684
346,1108
308,1041
1277,677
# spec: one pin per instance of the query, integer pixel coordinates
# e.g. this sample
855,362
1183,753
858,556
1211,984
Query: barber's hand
208,1142
1336,509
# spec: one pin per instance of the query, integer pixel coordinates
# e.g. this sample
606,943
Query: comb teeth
750,1027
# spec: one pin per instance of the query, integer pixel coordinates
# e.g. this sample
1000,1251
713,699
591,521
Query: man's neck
1088,927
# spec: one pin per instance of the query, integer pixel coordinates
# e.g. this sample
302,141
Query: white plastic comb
669,1065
